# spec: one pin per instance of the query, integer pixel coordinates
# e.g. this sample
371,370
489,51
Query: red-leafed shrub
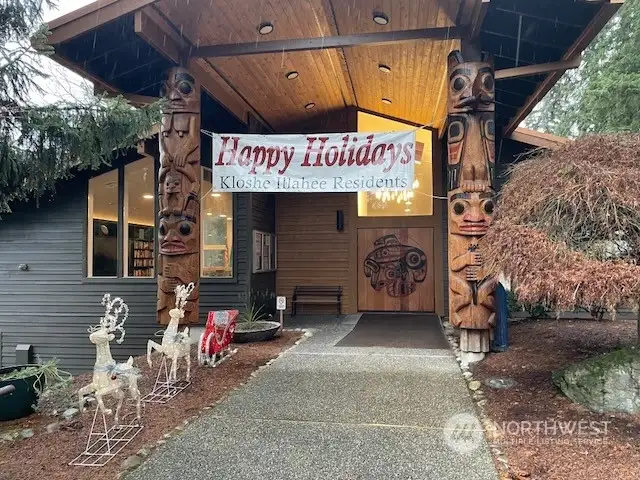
567,229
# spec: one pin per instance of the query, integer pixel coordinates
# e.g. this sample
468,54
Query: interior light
209,214
265,28
309,106
407,210
386,101
384,68
408,203
223,216
292,75
148,196
216,195
380,18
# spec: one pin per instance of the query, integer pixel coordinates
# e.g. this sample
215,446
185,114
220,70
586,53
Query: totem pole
471,165
179,193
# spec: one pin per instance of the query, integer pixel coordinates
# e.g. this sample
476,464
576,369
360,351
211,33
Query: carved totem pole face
179,188
178,235
181,92
471,214
471,86
471,132
471,167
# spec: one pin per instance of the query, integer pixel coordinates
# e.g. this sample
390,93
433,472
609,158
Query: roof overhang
125,46
538,139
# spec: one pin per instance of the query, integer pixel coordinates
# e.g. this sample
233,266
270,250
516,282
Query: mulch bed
536,349
47,455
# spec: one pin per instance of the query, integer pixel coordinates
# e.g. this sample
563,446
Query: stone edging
136,460
479,399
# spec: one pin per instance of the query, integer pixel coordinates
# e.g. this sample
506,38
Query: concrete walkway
325,412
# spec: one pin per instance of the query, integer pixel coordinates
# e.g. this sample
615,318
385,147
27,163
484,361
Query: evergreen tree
603,95
41,145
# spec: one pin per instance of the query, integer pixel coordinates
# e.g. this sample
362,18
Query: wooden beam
220,89
478,18
155,30
92,16
133,98
607,10
159,38
528,70
538,139
97,82
471,15
323,43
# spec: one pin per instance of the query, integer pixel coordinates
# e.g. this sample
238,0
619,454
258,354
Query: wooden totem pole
471,166
179,193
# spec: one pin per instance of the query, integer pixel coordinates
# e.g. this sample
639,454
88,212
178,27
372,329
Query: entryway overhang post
179,194
471,191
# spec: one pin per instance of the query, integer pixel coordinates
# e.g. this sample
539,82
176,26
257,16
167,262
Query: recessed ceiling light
223,216
216,195
407,210
309,106
265,28
148,196
380,18
209,214
407,203
384,68
386,101
292,75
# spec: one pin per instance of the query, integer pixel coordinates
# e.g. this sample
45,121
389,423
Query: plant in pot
27,388
254,324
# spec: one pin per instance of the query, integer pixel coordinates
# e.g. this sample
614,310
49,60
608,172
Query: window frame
124,250
122,247
258,237
121,260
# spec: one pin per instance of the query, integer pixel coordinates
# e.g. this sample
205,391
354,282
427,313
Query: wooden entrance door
395,270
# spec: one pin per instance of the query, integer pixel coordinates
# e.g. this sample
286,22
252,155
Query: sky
63,83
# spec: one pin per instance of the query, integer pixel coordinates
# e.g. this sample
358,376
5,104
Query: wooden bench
316,295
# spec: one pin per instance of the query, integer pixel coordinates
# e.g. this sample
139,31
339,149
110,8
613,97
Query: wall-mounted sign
281,303
339,162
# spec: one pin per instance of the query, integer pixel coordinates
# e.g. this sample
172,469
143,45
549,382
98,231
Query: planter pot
255,331
20,402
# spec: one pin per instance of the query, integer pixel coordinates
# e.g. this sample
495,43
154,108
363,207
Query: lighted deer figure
175,345
109,377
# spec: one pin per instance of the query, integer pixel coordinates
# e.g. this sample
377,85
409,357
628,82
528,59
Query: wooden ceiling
126,47
332,79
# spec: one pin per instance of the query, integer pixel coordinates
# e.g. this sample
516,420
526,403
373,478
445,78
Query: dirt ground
545,448
47,455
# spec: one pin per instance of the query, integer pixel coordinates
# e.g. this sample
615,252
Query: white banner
337,162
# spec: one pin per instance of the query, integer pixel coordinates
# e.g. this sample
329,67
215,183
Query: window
217,230
139,218
264,252
136,200
102,242
416,201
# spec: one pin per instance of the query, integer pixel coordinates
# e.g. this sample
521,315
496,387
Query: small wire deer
175,345
110,377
